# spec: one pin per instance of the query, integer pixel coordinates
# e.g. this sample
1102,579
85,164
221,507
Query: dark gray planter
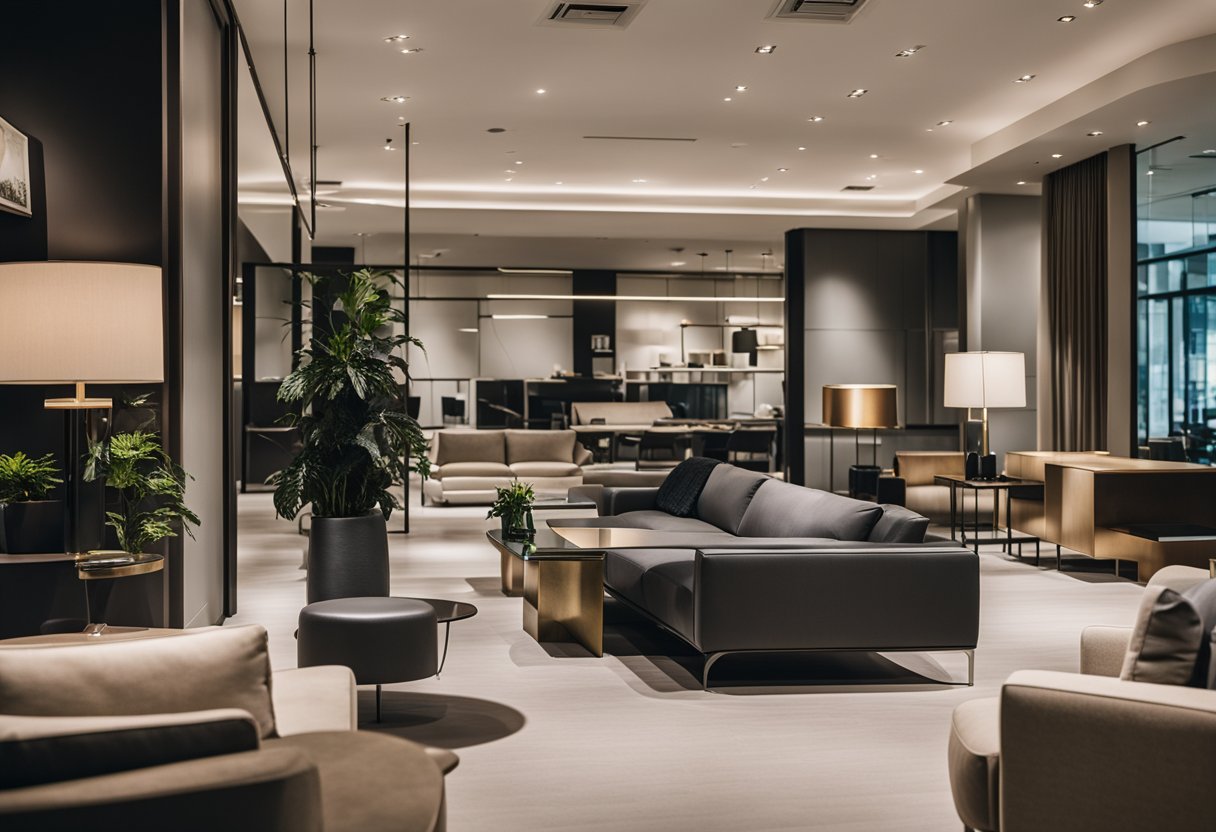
347,557
31,528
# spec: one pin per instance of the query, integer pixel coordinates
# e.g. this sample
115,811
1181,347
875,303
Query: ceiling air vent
599,15
818,11
857,188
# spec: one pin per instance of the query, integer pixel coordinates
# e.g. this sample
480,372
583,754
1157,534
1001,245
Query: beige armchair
1088,752
193,732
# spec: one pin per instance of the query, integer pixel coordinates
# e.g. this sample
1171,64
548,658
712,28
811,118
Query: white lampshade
81,322
985,379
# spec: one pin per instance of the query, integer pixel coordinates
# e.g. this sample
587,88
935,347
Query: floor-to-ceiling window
1176,297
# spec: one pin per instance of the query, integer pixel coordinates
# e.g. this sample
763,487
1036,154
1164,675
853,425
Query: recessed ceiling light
741,88
1021,182
1150,173
918,171
858,93
467,329
726,99
410,51
815,119
1056,155
767,49
801,147
945,123
763,178
518,162
1022,79
782,170
873,155
677,262
639,180
928,129
541,92
396,38
909,52
1210,151
1143,123
559,182
1092,4
415,143
511,172
1094,133
396,99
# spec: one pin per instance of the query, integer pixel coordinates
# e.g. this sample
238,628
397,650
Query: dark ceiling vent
616,15
857,188
818,11
640,138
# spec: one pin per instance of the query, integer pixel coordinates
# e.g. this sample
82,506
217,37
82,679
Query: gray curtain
1074,237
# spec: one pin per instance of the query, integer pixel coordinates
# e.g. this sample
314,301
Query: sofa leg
970,668
710,660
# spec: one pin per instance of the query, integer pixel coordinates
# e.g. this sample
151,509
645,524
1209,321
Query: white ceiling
666,75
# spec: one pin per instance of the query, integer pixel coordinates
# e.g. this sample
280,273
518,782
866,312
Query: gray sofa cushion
899,525
780,509
664,522
1164,644
679,493
727,495
539,446
1203,598
470,446
624,568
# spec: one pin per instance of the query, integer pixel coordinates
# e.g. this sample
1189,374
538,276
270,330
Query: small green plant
24,479
151,489
514,505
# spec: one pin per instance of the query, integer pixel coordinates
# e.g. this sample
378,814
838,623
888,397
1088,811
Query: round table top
447,611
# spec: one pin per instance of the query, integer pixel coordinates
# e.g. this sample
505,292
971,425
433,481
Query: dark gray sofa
767,566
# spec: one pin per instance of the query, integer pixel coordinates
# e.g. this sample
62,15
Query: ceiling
667,75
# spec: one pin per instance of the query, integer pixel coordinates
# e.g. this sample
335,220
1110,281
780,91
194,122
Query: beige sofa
1087,752
468,465
918,468
192,731
619,415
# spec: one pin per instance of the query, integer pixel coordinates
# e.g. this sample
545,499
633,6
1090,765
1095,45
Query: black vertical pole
405,508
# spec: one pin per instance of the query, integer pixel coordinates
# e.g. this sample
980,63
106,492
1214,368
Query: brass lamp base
79,402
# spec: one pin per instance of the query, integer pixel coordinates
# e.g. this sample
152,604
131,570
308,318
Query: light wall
1003,265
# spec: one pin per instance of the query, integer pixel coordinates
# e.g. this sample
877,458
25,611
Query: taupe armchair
1088,752
193,732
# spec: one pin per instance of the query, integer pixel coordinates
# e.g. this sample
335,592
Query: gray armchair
193,732
1087,752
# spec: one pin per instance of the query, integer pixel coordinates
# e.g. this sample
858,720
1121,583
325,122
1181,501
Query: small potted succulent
513,506
151,489
30,521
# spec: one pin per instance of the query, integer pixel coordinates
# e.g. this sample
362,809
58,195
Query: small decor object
151,489
14,170
30,521
357,439
514,506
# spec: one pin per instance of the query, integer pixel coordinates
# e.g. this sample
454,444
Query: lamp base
981,467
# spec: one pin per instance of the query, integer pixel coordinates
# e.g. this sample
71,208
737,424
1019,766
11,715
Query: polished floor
554,739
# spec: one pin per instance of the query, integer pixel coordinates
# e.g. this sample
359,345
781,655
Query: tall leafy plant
151,489
24,478
348,402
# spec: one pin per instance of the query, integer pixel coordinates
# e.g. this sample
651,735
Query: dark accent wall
592,317
864,307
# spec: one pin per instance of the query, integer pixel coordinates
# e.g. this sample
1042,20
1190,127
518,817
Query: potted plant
513,506
151,489
348,401
30,521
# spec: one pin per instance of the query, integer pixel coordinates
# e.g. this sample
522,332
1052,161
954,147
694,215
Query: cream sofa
468,465
1087,752
190,730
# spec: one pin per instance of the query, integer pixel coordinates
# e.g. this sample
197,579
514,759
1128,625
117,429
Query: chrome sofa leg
970,668
710,660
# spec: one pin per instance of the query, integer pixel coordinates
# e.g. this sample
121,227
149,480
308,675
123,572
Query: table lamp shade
985,379
860,405
71,322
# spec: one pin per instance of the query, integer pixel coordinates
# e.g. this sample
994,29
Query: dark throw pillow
1164,645
679,492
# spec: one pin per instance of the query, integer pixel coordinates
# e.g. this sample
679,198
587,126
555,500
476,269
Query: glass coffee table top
557,543
449,611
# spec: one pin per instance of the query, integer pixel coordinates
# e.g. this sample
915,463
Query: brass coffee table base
564,601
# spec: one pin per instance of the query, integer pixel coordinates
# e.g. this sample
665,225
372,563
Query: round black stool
382,640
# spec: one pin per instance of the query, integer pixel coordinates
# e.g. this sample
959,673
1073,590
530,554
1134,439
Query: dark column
593,317
795,357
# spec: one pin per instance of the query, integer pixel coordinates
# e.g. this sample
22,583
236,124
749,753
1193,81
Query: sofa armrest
1069,742
581,455
1103,649
270,790
309,699
619,499
914,598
